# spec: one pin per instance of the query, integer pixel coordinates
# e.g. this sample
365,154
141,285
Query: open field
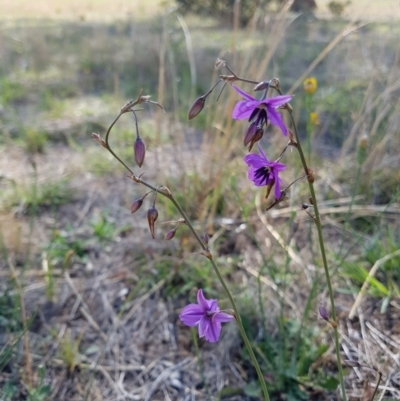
90,303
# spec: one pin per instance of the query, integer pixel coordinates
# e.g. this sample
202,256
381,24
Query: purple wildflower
260,111
263,172
207,315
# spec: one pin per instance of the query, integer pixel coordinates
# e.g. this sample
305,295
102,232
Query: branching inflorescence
261,171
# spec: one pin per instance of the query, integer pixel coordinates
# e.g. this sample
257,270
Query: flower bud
205,237
323,313
140,150
314,118
310,85
197,107
274,83
152,215
310,176
250,133
261,86
171,234
137,204
256,137
220,63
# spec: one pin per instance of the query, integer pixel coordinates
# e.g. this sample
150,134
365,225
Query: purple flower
207,315
260,111
263,172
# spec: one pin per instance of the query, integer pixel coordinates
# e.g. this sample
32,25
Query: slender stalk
323,254
165,192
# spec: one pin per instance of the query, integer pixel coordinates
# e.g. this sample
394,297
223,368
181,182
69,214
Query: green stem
324,259
207,253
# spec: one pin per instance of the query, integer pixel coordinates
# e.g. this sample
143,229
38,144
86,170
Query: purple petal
254,160
243,93
203,303
222,317
276,119
277,100
204,325
191,315
262,153
213,306
244,108
213,332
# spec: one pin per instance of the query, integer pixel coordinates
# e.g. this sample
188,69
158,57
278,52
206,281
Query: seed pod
140,150
152,215
197,107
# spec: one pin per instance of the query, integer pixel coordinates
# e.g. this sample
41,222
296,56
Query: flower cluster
259,113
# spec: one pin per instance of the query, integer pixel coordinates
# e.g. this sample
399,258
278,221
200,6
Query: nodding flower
264,172
260,111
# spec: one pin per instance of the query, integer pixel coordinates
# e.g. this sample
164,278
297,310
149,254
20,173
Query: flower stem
167,194
324,259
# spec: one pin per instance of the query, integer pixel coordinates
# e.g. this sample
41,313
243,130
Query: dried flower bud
274,83
310,176
152,215
220,63
137,204
197,107
171,234
323,313
314,118
261,86
99,139
140,150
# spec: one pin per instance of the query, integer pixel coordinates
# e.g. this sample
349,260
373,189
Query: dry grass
108,329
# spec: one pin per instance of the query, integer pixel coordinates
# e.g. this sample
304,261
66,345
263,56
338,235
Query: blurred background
89,302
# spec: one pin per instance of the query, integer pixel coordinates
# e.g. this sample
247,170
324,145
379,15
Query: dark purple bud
323,313
197,107
256,137
140,150
205,237
152,215
261,86
251,131
171,234
137,204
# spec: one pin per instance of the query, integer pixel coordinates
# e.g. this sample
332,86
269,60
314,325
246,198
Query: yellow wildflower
314,118
310,85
